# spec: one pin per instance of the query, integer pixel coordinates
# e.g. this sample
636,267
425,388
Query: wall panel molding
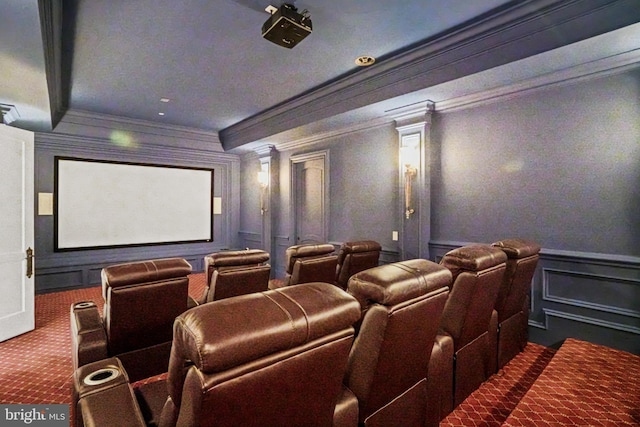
548,289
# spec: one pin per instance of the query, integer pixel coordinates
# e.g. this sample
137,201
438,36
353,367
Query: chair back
522,260
477,275
310,263
244,271
228,283
469,317
402,305
512,304
355,257
263,359
142,300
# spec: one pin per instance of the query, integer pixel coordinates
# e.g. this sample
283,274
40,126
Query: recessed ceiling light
365,60
161,114
164,100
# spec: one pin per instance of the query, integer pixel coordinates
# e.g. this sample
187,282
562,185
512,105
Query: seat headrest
394,283
244,257
310,250
361,246
233,331
304,251
473,258
144,272
518,248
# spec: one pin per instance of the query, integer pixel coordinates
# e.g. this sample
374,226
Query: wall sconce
263,180
410,158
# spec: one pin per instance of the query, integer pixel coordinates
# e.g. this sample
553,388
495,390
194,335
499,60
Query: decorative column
414,135
268,180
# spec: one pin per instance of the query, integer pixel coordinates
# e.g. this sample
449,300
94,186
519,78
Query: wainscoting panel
593,297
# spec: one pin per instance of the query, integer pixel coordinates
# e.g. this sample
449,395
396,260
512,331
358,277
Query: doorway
310,196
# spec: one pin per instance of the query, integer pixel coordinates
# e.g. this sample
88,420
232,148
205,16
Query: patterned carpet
584,384
36,368
492,403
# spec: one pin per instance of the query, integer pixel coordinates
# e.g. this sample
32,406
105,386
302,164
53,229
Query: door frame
294,162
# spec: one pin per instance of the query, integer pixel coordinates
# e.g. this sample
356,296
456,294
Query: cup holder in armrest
84,304
101,376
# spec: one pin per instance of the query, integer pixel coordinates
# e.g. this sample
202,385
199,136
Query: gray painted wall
363,178
560,166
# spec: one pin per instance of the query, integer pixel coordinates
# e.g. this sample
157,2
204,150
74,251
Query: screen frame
159,167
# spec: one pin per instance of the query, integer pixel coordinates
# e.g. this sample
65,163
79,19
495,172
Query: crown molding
368,124
417,114
110,122
519,30
584,72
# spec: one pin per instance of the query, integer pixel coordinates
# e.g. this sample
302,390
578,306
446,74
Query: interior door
310,202
16,232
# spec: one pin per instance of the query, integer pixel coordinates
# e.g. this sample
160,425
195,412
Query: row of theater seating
426,335
142,299
232,273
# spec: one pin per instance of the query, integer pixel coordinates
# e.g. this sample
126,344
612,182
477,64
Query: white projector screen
102,204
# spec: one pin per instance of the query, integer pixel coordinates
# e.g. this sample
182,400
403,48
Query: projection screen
104,204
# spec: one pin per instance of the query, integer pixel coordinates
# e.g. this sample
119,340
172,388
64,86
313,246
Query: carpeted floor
36,367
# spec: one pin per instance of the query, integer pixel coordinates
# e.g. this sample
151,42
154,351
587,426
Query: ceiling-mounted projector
286,26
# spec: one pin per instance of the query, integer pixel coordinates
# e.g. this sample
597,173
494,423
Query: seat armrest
88,337
103,397
346,411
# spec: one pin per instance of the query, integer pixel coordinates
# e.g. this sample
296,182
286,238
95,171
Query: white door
16,232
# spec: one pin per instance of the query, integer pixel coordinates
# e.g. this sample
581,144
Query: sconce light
410,158
263,180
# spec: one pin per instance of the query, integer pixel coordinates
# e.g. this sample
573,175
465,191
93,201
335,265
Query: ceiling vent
286,26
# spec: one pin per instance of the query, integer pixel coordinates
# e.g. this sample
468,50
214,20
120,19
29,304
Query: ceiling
203,63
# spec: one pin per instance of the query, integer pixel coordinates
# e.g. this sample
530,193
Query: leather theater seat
308,263
402,305
275,358
462,355
141,301
513,299
355,257
233,273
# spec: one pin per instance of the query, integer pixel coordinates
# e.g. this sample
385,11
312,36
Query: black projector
286,27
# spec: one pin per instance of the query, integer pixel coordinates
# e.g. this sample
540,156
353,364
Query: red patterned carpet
492,403
36,368
583,385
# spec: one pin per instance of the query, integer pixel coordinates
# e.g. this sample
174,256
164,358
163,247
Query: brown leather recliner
468,327
233,273
513,299
402,304
142,299
308,263
274,358
355,257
